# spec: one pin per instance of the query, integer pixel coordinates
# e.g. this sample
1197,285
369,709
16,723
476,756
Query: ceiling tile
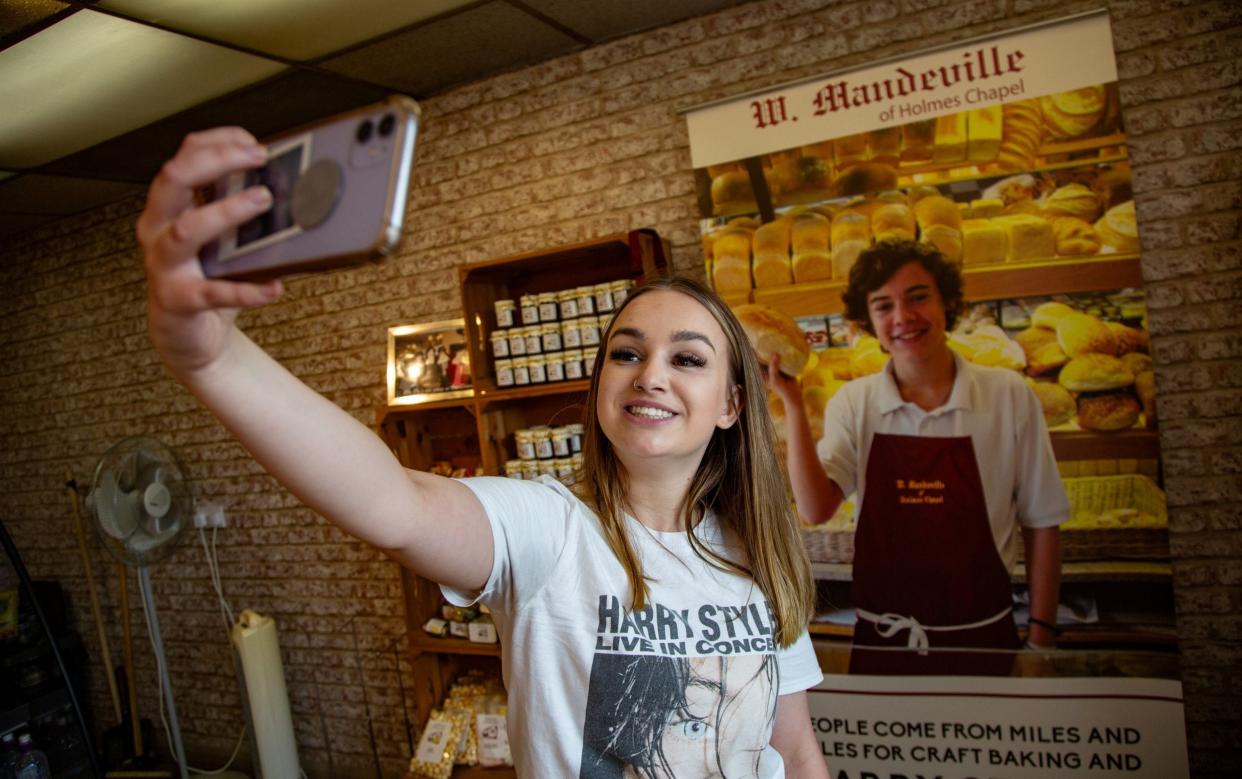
602,21
91,76
292,29
477,42
294,98
39,194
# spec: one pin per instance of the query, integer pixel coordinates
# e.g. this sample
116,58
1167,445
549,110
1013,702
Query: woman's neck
927,383
657,502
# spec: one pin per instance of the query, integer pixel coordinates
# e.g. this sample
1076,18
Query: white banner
872,727
1037,61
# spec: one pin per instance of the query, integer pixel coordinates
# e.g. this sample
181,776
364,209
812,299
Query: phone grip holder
316,193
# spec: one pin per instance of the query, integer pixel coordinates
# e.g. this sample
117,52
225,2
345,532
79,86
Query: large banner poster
1006,153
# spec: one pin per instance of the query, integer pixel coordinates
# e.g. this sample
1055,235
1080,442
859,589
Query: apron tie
888,625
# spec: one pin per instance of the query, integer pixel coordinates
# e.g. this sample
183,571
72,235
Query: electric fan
141,503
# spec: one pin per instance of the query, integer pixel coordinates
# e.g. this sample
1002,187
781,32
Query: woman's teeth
649,413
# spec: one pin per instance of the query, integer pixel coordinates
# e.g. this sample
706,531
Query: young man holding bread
951,463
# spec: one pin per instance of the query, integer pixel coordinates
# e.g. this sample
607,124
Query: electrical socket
210,515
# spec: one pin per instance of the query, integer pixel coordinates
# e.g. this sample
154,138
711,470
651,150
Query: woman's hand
190,317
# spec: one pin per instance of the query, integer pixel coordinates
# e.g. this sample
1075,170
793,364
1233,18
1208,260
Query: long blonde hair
739,478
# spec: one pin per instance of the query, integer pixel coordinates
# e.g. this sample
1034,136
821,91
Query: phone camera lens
364,131
386,125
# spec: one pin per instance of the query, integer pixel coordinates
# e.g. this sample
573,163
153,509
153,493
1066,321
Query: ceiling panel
479,41
600,21
35,193
289,100
292,29
92,76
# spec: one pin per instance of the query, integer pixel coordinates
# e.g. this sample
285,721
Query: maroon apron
924,550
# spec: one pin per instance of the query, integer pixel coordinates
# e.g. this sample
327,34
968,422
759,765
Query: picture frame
428,362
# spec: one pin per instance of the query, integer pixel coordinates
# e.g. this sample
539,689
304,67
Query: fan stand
174,726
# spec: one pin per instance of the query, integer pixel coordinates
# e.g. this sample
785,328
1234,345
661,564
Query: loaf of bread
937,210
810,232
731,192
1081,334
986,207
1050,314
1094,373
1058,404
844,255
884,146
772,332
772,238
1029,237
983,242
1075,237
1108,412
731,275
1118,228
947,240
1072,200
850,225
893,221
984,128
864,178
950,138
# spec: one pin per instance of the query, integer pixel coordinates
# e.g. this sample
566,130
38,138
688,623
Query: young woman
951,463
679,562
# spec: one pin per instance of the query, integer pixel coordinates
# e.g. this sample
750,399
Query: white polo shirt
993,406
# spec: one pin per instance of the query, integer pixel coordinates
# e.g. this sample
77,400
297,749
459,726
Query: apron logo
915,492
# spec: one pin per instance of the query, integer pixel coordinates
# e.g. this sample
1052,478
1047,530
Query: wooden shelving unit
477,431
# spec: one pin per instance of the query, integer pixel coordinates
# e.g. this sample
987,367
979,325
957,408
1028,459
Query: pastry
731,192
947,240
1129,339
773,332
1081,334
864,178
850,225
1108,412
1145,388
1022,130
844,254
884,146
867,357
917,140
1095,372
1136,363
1058,404
1045,359
1075,113
1075,237
983,242
986,208
937,210
1033,338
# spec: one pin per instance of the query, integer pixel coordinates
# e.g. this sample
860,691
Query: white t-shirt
993,406
691,679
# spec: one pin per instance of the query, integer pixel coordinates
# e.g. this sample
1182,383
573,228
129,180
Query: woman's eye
689,361
623,355
693,729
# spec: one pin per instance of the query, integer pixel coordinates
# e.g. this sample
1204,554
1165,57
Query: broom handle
94,593
135,723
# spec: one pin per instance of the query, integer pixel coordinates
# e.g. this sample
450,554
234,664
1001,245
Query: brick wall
583,146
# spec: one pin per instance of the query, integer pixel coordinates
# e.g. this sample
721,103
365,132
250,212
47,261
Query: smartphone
339,190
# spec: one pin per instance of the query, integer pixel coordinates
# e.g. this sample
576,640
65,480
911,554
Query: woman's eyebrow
691,335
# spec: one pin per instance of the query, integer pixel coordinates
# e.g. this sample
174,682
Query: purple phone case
365,223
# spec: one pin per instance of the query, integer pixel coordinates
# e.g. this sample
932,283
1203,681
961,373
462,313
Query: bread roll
1075,113
1095,372
937,210
1050,314
867,357
983,242
1029,237
1129,339
772,332
1058,404
983,130
1033,338
947,240
864,178
1136,363
1075,237
1022,123
1045,359
1072,200
1081,334
1108,412
893,221
1119,229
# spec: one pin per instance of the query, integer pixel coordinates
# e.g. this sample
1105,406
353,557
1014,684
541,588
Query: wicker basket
828,546
1141,536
